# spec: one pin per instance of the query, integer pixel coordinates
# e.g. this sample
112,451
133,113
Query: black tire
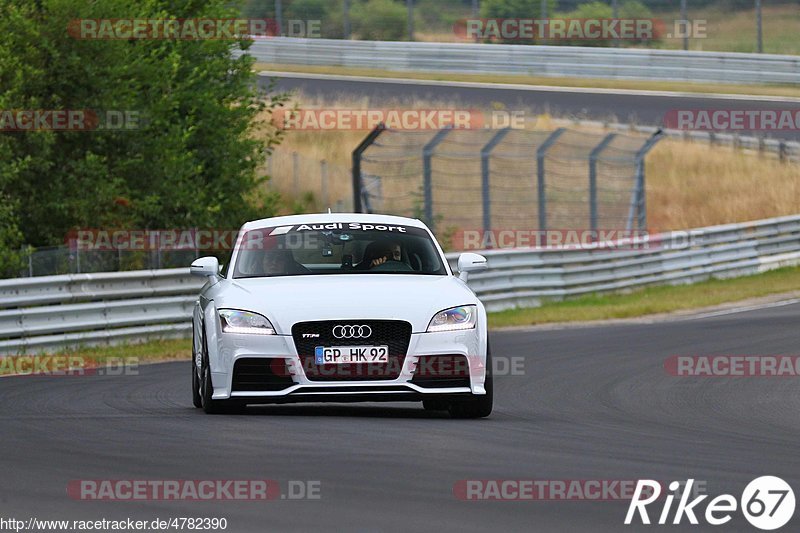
435,404
197,401
480,406
209,405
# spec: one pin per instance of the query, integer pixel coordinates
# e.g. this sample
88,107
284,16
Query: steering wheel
392,266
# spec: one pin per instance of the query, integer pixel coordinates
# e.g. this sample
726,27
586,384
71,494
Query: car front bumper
233,347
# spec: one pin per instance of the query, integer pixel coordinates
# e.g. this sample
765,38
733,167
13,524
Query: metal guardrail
50,312
550,61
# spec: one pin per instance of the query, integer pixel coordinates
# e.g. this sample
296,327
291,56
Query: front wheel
480,406
197,400
209,405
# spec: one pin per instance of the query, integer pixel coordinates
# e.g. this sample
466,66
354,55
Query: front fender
212,331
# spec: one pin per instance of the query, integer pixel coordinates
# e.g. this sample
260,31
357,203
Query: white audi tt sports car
341,308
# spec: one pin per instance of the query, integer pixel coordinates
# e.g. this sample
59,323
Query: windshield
337,248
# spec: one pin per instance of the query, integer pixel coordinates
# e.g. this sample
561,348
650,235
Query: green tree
192,162
628,9
379,20
517,9
525,9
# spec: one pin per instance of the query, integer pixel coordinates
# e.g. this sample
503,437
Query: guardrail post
638,198
593,156
427,177
486,151
540,154
357,153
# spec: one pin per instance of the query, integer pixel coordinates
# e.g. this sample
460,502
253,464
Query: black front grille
258,374
396,334
440,371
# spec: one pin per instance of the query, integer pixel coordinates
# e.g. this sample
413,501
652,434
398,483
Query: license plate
338,355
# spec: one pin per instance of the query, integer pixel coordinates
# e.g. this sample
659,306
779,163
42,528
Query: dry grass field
726,30
689,184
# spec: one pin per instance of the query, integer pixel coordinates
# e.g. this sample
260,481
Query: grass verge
703,88
115,357
653,300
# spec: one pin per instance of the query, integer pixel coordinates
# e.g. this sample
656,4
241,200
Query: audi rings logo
352,332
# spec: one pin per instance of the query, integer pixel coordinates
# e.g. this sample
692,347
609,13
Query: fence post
347,19
615,16
427,178
30,263
638,198
323,176
279,16
270,183
485,173
685,24
295,175
410,8
759,39
543,16
540,153
593,156
357,153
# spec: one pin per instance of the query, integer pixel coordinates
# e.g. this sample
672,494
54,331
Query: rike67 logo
767,503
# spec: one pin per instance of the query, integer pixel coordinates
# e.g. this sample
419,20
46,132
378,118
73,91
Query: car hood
287,300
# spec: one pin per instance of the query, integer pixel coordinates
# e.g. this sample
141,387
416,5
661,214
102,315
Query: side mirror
469,262
205,266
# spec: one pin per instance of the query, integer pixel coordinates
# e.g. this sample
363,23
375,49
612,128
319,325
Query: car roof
322,218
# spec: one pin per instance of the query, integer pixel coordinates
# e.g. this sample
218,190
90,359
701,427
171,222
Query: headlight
463,317
235,321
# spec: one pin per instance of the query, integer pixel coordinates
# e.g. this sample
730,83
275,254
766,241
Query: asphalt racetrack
592,403
619,106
